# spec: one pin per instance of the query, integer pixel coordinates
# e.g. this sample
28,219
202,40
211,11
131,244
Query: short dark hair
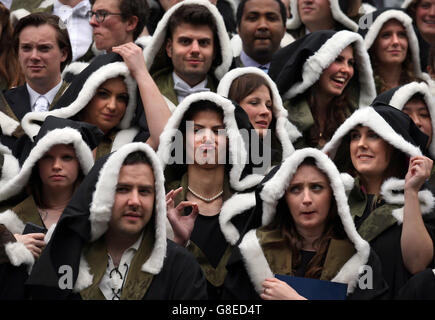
241,8
42,18
136,157
130,8
196,15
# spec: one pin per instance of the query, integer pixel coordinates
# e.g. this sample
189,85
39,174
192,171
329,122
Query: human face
258,106
425,19
336,77
308,198
419,113
191,50
108,106
206,141
134,200
391,44
316,14
59,168
40,56
261,29
113,31
370,154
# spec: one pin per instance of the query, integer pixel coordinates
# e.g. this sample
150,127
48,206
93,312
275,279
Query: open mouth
262,124
339,81
364,157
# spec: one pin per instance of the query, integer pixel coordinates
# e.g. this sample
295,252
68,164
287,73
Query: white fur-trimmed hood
328,52
285,130
159,36
274,190
98,77
238,153
54,137
295,21
10,166
103,200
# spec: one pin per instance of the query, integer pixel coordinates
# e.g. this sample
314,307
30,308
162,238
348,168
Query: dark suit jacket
19,101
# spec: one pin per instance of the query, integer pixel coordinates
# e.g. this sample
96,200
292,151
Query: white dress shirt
79,29
49,96
183,89
247,61
114,279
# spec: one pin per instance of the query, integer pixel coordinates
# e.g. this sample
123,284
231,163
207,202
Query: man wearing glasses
116,22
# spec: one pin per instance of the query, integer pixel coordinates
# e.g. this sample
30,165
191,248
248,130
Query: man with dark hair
261,27
116,22
43,50
190,50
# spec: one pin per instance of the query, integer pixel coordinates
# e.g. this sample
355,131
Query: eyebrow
125,184
221,126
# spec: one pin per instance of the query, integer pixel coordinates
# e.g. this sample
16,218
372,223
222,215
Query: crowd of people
217,150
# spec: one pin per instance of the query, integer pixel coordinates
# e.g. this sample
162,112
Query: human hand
274,289
34,242
133,58
419,170
182,225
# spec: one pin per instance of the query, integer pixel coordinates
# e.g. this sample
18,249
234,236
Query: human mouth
339,81
132,215
364,157
307,9
262,124
206,147
57,177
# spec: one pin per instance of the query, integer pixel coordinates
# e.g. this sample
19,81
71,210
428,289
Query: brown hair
244,85
333,230
10,69
412,8
39,19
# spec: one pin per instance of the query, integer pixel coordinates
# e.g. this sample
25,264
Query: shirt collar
178,80
64,11
49,95
249,62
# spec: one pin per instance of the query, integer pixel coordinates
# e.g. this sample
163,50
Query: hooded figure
235,172
344,13
379,216
298,68
265,251
80,94
159,270
284,133
160,65
373,24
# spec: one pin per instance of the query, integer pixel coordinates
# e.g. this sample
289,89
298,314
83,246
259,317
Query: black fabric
287,63
306,257
371,18
19,100
420,287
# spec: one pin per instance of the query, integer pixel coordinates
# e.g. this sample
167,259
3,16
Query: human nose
307,197
133,200
57,164
395,39
362,142
111,104
34,54
208,136
195,46
416,120
93,19
264,110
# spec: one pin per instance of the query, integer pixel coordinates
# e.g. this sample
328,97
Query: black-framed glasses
100,15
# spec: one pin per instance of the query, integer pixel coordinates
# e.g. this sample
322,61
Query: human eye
204,42
68,157
122,189
402,34
252,17
352,62
26,47
295,188
184,41
317,187
123,98
385,35
101,13
354,135
102,93
373,135
145,191
272,17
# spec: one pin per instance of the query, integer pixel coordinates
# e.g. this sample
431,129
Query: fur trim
322,59
74,68
425,197
17,15
274,190
404,93
406,21
234,206
348,181
54,137
106,72
103,199
84,278
159,36
285,130
46,3
10,169
143,41
237,149
123,137
368,117
406,4
295,21
12,222
7,124
18,254
366,9
49,233
255,261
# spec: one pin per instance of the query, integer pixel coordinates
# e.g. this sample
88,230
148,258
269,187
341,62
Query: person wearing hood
313,15
391,41
107,94
57,162
205,156
325,77
257,94
306,231
190,50
112,235
387,201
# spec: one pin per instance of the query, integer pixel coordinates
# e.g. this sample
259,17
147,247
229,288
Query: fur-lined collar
159,37
10,166
285,130
274,189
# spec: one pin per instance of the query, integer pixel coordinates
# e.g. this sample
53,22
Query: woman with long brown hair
10,70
